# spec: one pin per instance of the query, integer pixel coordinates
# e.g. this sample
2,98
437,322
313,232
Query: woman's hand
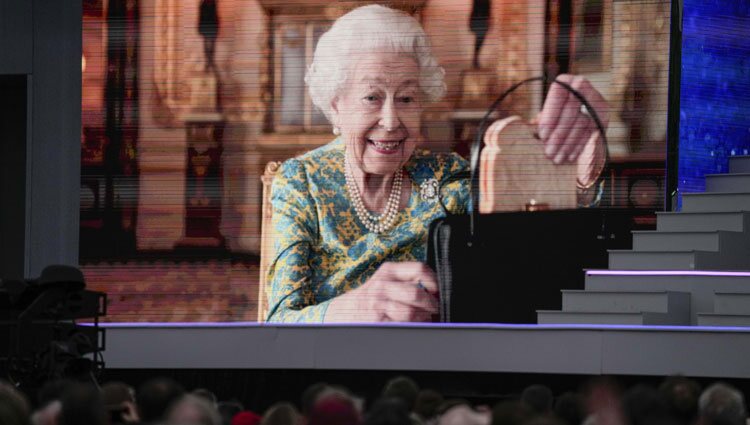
564,129
397,292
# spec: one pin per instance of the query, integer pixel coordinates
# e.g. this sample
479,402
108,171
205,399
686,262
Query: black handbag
501,267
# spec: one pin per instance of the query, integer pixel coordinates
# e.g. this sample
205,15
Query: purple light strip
411,325
664,273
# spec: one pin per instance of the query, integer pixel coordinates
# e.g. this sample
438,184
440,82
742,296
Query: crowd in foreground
677,401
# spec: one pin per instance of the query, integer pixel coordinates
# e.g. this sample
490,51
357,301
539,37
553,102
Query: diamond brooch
428,190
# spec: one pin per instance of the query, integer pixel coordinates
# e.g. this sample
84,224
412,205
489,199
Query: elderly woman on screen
351,218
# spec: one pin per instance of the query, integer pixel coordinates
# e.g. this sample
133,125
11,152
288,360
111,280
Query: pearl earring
336,131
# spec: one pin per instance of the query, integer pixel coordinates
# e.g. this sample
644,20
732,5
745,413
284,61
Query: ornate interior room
185,102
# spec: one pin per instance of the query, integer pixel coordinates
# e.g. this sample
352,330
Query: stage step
728,183
550,317
700,202
732,302
678,260
656,281
713,319
700,284
625,302
702,241
739,164
702,221
695,261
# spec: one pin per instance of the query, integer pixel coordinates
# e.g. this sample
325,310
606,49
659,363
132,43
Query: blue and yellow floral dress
322,249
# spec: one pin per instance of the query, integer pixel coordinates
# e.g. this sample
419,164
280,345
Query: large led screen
190,106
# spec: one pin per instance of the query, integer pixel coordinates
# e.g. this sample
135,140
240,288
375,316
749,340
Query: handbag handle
477,145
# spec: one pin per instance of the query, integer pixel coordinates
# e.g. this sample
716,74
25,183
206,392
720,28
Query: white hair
368,28
194,410
722,403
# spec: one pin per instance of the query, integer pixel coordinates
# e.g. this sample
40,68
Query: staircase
694,269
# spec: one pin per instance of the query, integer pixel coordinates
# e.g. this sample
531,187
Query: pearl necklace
376,223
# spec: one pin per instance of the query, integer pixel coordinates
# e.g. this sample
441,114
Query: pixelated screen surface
714,89
188,107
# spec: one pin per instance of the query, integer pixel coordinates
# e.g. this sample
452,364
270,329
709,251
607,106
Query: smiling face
379,111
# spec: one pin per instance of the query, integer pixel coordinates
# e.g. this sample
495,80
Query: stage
550,349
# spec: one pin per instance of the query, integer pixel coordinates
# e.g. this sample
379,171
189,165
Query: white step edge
729,320
647,260
713,240
739,164
678,260
625,301
732,303
734,221
553,317
715,201
645,240
728,183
